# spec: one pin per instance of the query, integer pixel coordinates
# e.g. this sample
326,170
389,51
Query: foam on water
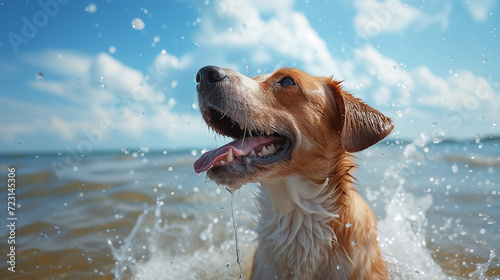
199,250
402,239
195,249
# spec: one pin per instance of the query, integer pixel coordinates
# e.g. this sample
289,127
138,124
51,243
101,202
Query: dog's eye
287,81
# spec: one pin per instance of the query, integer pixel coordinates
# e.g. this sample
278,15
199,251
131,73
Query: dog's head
280,122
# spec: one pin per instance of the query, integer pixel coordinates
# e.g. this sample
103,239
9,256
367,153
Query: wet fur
313,223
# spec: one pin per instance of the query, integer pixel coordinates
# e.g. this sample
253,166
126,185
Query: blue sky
112,75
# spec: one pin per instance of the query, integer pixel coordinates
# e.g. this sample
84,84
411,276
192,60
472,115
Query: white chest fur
295,233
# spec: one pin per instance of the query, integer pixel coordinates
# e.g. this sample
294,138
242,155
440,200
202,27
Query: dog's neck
295,229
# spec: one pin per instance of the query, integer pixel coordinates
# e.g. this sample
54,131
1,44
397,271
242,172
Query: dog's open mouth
250,147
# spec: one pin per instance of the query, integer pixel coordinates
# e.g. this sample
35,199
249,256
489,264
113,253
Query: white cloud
113,75
165,64
376,17
106,90
25,119
462,89
391,16
52,87
13,130
286,33
419,94
479,9
68,64
384,69
64,128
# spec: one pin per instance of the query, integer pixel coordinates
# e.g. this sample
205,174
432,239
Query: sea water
147,215
405,183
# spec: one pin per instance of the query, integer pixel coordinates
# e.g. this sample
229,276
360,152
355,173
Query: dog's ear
362,126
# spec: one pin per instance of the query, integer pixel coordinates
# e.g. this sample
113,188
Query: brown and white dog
294,134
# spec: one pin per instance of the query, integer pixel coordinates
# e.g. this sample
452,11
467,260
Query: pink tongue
240,148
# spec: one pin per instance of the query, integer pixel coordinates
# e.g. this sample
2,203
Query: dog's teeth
272,149
268,133
222,163
259,154
242,127
265,151
252,154
278,146
230,157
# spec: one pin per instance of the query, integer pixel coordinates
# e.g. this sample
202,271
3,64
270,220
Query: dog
295,134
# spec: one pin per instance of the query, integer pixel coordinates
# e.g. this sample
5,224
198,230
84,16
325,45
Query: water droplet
348,225
138,24
90,260
194,152
437,140
484,215
37,156
126,151
454,168
434,124
338,267
112,49
91,8
354,243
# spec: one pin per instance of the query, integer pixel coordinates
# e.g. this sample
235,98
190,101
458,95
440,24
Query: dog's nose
209,75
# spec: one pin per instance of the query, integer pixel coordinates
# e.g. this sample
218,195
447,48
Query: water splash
125,263
238,254
403,228
194,245
437,140
481,268
201,244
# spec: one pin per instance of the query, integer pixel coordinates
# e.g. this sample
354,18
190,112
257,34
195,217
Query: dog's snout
209,75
